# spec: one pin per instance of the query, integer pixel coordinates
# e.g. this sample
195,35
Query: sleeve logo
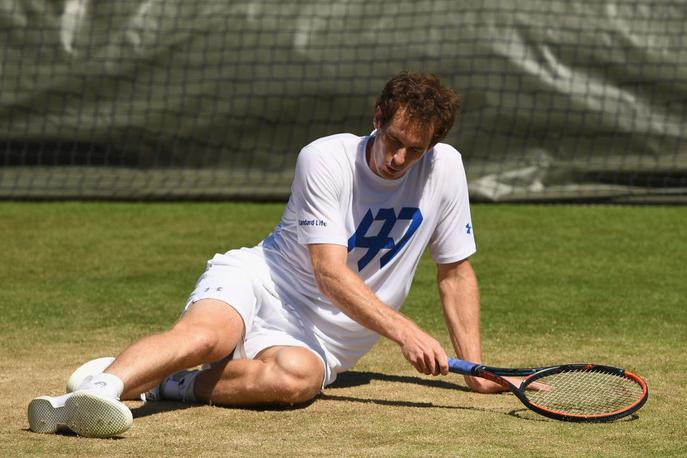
382,241
312,222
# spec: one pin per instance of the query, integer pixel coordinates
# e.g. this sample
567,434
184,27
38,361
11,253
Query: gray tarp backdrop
563,100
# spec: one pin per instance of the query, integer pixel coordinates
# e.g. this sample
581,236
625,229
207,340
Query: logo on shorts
382,241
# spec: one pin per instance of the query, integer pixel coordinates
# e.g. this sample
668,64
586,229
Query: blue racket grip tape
460,366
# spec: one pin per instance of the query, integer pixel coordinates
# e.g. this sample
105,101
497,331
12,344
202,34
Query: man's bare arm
459,296
348,292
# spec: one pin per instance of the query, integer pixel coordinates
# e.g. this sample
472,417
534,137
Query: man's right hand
423,351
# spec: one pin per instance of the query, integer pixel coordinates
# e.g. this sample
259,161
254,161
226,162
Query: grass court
603,284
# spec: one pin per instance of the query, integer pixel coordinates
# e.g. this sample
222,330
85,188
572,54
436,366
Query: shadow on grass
413,404
64,431
526,414
351,379
521,414
153,408
393,403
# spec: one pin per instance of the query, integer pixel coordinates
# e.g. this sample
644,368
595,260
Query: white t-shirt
385,224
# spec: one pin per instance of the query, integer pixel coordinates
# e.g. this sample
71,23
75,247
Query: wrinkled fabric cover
177,99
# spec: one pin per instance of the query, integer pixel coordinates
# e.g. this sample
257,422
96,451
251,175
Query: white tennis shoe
85,412
90,368
97,366
47,413
172,385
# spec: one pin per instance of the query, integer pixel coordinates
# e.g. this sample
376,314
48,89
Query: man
280,320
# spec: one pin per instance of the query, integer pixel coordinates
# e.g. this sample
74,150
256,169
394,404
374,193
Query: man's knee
298,390
298,375
210,328
202,340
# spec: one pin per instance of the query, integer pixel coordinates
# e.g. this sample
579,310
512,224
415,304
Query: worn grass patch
558,283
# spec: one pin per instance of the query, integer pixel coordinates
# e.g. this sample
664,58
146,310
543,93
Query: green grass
558,283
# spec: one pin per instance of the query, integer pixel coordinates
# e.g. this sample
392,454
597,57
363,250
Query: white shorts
241,279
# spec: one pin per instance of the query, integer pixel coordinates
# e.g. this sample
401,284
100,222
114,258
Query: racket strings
586,392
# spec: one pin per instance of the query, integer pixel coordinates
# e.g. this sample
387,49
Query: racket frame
532,374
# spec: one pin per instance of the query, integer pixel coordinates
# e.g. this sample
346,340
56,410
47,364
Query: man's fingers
420,366
429,365
436,364
425,354
443,365
425,364
534,386
537,386
442,361
417,361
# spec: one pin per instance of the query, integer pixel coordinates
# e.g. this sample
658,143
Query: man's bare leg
208,331
278,375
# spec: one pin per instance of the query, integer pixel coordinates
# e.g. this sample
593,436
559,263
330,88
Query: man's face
398,145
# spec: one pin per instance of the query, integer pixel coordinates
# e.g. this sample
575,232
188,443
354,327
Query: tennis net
154,99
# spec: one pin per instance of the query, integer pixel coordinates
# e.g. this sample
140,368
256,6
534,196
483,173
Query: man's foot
47,413
91,415
97,366
92,367
178,386
86,413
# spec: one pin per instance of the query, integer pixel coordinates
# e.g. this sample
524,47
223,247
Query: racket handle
460,366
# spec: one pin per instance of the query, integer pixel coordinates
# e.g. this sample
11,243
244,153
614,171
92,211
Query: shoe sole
84,413
94,416
44,417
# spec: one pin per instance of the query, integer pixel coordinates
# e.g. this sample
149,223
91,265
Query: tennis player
278,321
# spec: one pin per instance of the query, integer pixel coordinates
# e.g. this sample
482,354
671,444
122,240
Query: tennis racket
570,392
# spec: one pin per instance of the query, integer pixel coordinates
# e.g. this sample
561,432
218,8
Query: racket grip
460,366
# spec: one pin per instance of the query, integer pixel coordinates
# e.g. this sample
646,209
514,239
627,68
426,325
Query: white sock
105,384
179,386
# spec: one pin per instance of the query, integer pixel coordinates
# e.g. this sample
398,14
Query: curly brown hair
424,99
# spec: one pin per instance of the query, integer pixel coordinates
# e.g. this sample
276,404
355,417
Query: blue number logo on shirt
375,243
